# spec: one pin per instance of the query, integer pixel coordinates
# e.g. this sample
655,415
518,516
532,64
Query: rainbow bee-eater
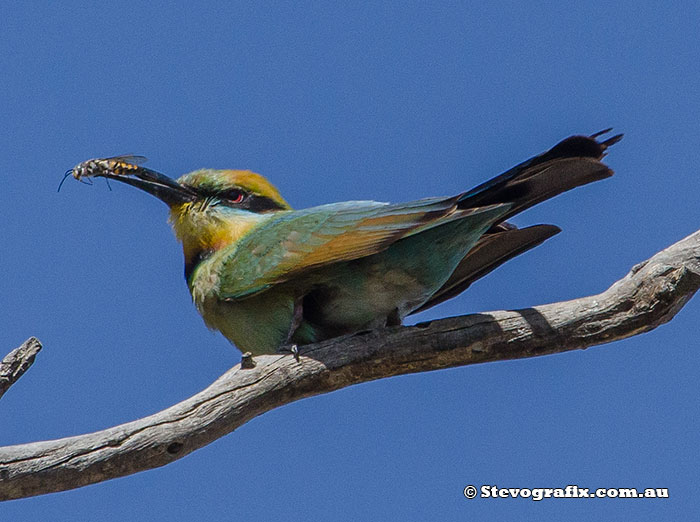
267,276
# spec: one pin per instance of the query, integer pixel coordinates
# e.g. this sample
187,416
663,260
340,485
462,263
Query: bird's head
224,206
209,209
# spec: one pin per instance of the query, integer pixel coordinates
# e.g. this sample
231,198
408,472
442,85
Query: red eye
235,196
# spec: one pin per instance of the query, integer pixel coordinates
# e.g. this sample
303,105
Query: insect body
114,166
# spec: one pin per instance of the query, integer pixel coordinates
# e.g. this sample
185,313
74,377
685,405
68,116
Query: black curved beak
159,185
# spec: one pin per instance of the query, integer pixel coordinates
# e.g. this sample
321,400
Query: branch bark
17,362
650,295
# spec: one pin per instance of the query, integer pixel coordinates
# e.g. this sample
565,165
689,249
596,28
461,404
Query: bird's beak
159,185
164,188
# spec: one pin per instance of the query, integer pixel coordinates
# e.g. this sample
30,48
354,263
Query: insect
114,166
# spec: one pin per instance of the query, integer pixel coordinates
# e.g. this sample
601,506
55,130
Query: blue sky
391,102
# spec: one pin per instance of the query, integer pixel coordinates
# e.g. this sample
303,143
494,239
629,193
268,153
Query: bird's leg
297,317
394,318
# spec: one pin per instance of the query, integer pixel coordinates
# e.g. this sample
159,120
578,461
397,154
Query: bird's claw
291,348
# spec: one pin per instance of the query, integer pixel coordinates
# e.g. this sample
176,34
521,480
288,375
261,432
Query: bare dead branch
650,295
17,362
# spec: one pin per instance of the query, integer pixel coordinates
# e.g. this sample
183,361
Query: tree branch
650,295
17,362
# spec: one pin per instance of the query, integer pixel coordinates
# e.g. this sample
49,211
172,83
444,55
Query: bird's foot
290,348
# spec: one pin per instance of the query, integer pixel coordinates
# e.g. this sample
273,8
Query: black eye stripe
256,203
240,198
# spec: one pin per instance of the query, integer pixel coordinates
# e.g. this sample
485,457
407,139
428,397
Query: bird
271,278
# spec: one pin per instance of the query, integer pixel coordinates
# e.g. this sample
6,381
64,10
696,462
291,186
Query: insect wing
133,159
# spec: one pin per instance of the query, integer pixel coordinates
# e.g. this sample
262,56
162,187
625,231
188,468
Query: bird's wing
493,249
294,242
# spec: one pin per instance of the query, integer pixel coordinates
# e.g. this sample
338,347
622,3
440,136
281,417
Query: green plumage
266,275
263,280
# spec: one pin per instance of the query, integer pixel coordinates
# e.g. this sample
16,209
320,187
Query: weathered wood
17,362
650,295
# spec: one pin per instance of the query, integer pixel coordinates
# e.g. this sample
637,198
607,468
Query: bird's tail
569,164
